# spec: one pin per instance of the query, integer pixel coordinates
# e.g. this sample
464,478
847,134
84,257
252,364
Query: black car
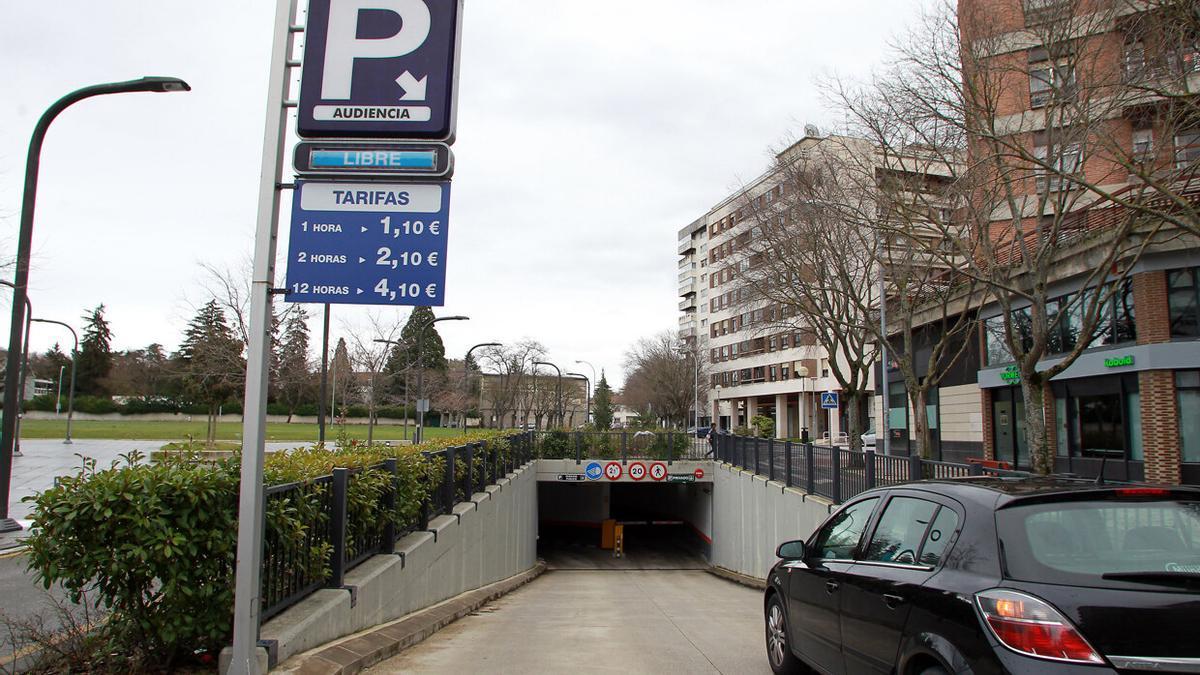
993,575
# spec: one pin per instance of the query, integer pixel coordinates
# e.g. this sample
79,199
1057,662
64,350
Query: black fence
663,445
335,522
833,472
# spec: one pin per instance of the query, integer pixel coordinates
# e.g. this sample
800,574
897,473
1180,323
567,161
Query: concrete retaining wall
185,417
492,537
752,516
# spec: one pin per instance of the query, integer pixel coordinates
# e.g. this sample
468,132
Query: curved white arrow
414,89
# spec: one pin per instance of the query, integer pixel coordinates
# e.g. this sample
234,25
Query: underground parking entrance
621,525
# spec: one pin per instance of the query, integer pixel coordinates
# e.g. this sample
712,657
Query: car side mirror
791,550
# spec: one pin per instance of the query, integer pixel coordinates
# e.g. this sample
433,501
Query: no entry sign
699,474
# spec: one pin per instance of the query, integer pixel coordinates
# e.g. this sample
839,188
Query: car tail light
1031,626
1143,492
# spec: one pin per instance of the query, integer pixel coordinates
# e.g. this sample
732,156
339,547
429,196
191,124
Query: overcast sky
588,135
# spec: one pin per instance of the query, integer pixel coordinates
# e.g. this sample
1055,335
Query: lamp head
160,84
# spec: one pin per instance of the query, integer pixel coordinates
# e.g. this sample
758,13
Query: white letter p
342,45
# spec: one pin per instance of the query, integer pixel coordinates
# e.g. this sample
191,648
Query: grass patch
181,430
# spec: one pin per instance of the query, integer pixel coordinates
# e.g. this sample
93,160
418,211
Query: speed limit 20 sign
637,471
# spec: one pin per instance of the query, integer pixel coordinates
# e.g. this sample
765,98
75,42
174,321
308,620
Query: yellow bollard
606,533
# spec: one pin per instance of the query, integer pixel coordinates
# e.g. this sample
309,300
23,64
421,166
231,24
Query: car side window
836,541
901,531
940,534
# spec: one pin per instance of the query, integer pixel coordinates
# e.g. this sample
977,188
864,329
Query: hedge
101,405
154,543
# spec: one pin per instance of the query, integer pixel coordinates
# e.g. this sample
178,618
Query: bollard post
337,529
787,463
389,506
870,468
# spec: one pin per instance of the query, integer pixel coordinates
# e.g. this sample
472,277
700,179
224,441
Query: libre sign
380,69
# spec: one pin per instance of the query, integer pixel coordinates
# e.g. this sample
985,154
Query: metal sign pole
324,377
247,589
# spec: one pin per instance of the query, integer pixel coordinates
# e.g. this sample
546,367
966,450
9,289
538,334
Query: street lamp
716,422
588,388
421,372
589,404
71,394
559,386
467,379
24,367
8,429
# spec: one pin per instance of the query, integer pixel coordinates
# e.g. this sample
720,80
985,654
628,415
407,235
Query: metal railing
664,445
315,532
836,473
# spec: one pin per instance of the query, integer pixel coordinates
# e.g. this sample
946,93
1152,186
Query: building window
1049,82
1184,303
1187,148
1187,392
1143,145
1059,164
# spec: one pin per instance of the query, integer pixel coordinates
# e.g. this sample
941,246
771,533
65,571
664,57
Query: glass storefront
1187,391
1100,417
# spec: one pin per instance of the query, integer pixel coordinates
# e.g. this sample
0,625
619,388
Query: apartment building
752,366
1132,399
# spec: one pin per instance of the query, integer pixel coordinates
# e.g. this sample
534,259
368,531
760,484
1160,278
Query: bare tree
511,366
805,269
372,356
661,378
1027,216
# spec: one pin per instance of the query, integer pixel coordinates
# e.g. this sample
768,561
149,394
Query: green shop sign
1118,361
1010,375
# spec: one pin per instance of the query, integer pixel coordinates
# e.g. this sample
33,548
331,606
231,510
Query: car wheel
779,653
933,670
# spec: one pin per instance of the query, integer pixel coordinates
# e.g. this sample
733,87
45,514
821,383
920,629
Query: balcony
688,304
687,246
688,288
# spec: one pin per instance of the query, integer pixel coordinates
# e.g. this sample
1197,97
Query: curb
738,578
363,650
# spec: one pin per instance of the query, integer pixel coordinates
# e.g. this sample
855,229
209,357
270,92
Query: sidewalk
43,460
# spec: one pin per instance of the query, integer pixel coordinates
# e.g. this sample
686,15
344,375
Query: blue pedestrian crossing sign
829,400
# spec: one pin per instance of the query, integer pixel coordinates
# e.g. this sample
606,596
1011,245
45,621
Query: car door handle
892,601
831,586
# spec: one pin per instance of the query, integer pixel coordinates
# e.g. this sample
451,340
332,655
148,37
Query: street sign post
380,69
368,243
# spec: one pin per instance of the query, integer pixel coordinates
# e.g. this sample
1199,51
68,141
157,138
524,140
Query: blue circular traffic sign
594,471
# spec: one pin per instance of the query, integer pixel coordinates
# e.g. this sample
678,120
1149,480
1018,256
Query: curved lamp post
597,383
467,379
558,390
74,355
24,243
420,435
587,388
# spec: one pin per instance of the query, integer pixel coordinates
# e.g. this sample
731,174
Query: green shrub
96,405
154,544
44,402
141,406
762,426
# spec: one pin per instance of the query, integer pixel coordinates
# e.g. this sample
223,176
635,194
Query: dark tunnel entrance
665,525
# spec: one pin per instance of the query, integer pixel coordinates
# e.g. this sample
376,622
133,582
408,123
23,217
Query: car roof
1002,490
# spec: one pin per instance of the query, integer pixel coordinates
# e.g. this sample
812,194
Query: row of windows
1116,324
748,319
736,217
779,372
762,345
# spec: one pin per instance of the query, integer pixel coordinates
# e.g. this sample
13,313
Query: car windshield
1105,543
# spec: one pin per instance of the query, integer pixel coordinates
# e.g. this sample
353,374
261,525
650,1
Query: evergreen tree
341,376
433,351
602,410
48,365
95,354
212,363
294,383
